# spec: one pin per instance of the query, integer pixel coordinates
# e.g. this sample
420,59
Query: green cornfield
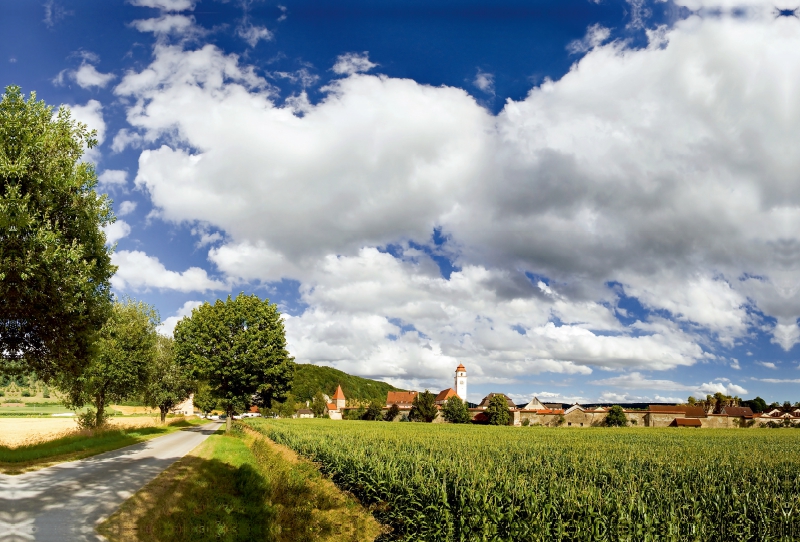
468,483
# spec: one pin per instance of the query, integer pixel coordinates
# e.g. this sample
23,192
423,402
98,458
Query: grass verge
79,445
241,487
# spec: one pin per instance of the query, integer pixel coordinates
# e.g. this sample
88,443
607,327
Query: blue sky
582,200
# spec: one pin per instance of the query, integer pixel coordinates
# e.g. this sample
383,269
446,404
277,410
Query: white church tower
461,382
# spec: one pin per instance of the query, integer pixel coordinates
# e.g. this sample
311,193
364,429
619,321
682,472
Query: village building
485,403
305,413
339,399
186,407
460,382
403,399
536,412
444,395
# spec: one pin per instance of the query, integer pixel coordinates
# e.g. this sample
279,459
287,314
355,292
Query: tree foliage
318,404
54,263
119,366
169,383
498,411
374,411
455,410
423,409
203,399
616,417
392,413
238,346
756,405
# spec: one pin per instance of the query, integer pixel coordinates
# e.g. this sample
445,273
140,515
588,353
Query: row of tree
58,317
715,403
232,354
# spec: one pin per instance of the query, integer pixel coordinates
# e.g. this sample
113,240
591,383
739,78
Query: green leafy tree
169,383
455,410
318,404
756,405
55,265
616,417
120,363
238,346
498,411
423,408
392,413
203,399
374,411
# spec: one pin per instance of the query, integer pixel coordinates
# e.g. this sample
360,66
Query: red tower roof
460,367
339,393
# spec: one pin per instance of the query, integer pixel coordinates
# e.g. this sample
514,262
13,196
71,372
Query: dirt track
16,431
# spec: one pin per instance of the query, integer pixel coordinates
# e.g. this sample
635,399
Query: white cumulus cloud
351,63
138,271
168,325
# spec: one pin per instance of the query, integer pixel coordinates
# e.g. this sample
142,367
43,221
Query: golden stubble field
16,431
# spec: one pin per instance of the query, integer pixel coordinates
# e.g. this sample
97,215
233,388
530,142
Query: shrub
88,419
526,422
26,393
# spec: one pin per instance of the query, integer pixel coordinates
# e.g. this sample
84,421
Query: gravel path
65,502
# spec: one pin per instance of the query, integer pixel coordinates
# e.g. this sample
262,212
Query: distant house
403,399
305,413
186,407
444,395
485,403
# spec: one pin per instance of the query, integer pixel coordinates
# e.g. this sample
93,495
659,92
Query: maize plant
475,483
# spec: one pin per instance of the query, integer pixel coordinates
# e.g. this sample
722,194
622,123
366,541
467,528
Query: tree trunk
163,415
101,408
228,420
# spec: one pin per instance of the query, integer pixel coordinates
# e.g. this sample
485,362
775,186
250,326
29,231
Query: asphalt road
65,502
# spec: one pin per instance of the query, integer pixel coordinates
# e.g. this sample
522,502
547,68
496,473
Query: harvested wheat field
16,431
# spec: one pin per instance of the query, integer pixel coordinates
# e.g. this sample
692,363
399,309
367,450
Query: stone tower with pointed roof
461,382
338,398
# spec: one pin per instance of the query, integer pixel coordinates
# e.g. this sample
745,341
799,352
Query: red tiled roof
332,406
460,367
444,395
738,411
687,422
339,393
400,397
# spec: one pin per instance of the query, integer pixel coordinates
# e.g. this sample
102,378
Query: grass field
78,445
240,487
448,483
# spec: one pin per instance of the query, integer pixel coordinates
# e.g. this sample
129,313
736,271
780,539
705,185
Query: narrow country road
65,502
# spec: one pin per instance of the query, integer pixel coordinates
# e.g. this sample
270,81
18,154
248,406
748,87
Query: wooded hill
309,379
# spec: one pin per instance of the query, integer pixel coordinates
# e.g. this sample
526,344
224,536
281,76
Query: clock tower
461,382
